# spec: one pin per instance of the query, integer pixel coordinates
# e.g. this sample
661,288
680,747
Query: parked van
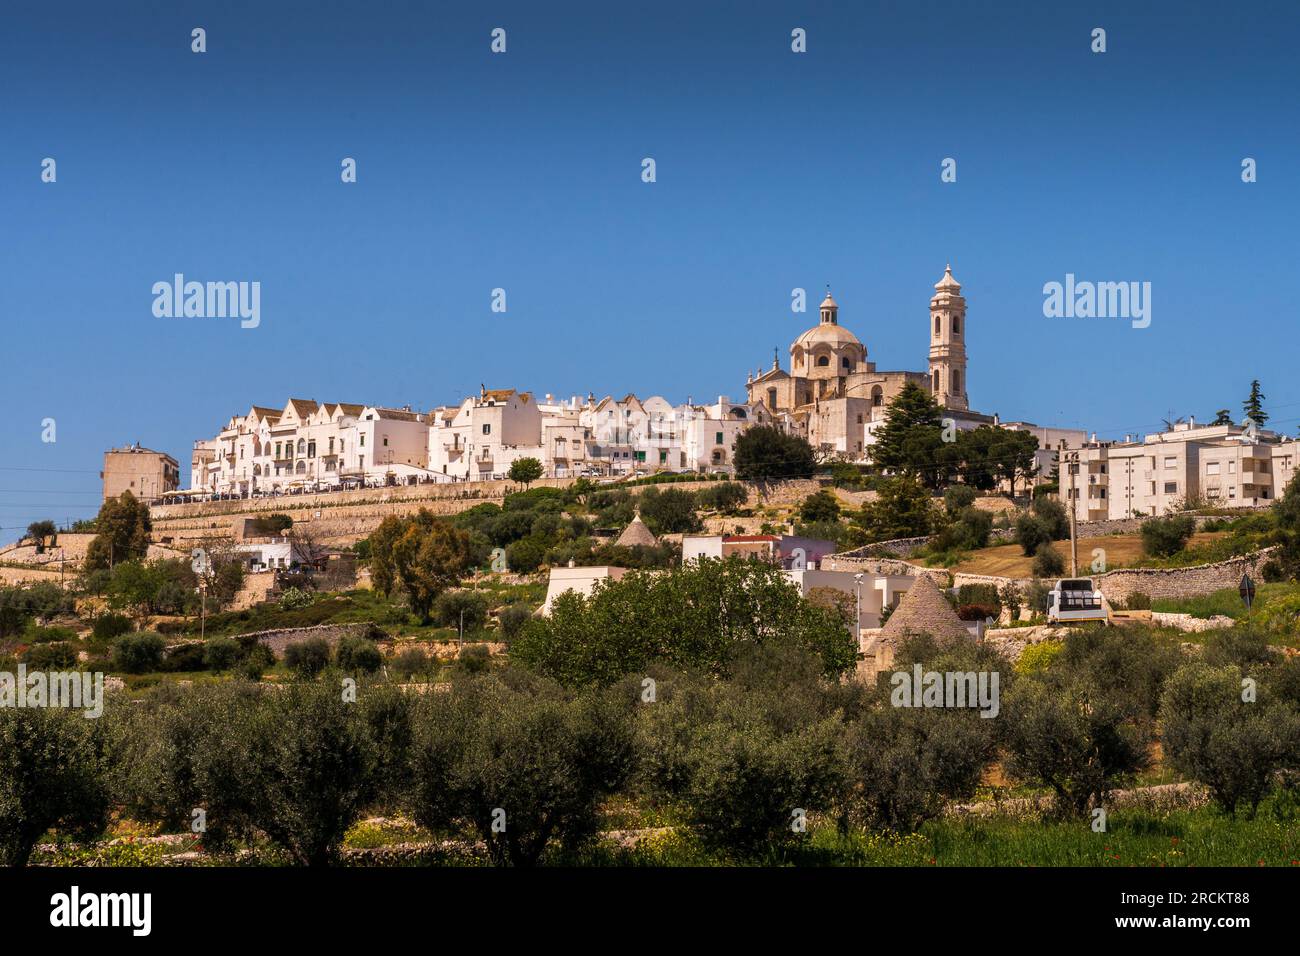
1076,599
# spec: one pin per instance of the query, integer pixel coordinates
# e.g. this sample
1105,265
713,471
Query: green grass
1226,602
1134,837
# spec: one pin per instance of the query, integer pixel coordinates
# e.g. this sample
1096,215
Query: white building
1229,466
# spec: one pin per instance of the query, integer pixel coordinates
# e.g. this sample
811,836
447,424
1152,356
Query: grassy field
1122,551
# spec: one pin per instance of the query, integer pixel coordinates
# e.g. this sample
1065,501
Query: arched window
877,397
301,468
845,363
936,325
935,387
302,446
823,361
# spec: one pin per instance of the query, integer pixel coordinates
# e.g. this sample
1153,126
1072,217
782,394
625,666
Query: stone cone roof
637,533
924,610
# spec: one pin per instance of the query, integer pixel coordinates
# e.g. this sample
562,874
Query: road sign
1247,590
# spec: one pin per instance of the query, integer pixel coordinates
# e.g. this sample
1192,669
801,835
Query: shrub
515,745
295,598
724,496
956,498
185,657
1138,601
358,655
109,626
1047,562
410,662
220,653
48,635
1233,747
447,610
512,619
138,653
60,655
1046,520
821,506
258,660
52,774
474,659
1164,537
307,658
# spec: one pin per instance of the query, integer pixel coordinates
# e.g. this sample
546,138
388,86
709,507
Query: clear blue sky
522,171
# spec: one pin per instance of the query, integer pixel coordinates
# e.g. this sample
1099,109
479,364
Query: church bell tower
948,343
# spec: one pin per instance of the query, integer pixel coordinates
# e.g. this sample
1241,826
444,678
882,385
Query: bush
109,626
57,656
220,653
725,497
358,655
957,498
1047,562
474,659
410,662
822,506
511,749
1046,520
512,619
1233,747
307,658
295,598
1165,537
52,774
258,661
138,653
1137,601
668,511
450,605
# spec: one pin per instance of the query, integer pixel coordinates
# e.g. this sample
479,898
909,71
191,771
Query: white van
1076,599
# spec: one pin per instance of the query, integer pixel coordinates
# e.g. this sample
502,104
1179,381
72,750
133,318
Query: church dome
826,334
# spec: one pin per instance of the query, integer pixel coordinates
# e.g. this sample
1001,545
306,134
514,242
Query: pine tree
1254,405
911,409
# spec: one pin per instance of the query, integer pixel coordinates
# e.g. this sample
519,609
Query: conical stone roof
924,610
636,533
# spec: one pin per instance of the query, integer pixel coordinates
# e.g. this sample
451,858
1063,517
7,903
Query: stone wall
1180,582
277,640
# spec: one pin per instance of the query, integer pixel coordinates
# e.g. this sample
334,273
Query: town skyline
525,175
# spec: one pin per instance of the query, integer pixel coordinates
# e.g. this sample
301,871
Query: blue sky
522,171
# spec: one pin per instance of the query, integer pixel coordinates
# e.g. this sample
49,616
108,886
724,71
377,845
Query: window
1212,468
956,382
385,441
935,376
936,325
771,399
1171,463
487,429
877,397
956,324
859,419
1171,487
844,363
823,361
1232,467
717,438
363,440
302,447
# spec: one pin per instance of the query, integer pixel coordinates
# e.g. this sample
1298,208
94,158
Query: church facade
835,396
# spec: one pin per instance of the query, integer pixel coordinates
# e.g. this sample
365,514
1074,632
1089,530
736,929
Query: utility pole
1069,503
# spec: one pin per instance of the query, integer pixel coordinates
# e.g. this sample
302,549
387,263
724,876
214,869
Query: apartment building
1227,465
311,446
146,473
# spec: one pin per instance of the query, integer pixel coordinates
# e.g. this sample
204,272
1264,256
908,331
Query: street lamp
857,594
